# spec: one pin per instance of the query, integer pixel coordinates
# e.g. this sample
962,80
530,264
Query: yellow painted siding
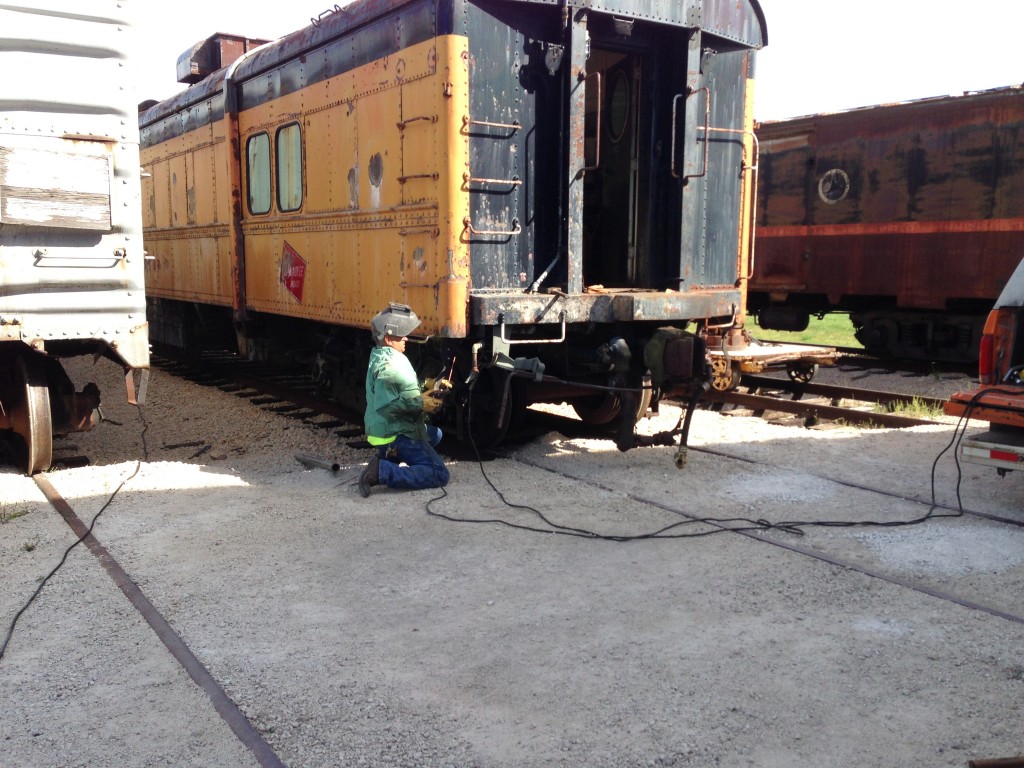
222,191
202,188
177,174
453,206
157,211
186,217
331,148
384,199
380,198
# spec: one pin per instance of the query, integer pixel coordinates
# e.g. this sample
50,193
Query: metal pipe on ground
315,463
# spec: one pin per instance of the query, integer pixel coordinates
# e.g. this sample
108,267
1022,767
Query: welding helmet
397,320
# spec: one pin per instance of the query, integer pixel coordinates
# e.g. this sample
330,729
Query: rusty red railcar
909,216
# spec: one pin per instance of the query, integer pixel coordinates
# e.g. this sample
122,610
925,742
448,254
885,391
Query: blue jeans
412,464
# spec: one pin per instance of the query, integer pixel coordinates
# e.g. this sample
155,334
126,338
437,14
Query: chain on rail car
71,252
557,190
909,216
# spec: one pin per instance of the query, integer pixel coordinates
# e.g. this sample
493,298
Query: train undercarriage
39,401
612,377
929,336
903,334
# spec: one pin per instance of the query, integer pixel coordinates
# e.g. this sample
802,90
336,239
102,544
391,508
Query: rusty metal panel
681,233
196,267
743,23
917,205
215,52
361,33
725,75
330,136
618,307
178,179
378,112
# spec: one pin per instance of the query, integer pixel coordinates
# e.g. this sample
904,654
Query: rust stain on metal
891,201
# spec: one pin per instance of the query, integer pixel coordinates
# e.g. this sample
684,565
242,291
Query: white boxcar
71,252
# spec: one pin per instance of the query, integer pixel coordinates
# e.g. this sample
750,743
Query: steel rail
225,706
813,410
836,392
863,358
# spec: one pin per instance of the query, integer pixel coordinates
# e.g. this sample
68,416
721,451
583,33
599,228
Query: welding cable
929,515
961,431
722,525
10,629
480,463
142,434
83,537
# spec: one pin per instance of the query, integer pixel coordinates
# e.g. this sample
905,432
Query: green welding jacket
393,403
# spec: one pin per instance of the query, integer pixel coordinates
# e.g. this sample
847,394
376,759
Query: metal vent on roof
212,54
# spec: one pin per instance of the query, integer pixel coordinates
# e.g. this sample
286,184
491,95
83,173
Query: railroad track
242,728
284,391
857,357
814,402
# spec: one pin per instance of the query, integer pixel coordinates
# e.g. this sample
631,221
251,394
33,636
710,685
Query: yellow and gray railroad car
562,192
71,253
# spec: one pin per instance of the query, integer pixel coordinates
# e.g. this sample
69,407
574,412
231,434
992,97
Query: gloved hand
435,385
432,401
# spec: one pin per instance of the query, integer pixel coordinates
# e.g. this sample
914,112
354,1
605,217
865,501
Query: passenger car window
258,177
289,167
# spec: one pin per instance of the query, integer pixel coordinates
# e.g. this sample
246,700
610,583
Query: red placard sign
293,272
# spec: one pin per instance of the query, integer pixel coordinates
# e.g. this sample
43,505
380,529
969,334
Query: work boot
370,476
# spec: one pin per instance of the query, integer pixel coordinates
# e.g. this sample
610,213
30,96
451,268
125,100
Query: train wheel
605,407
30,415
802,373
725,375
597,409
